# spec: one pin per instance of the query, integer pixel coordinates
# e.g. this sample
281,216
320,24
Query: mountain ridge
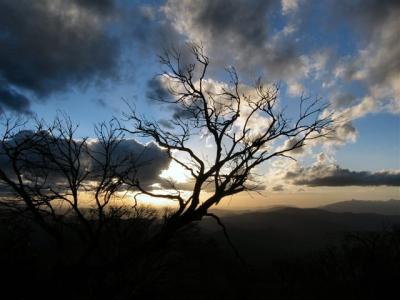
384,207
288,231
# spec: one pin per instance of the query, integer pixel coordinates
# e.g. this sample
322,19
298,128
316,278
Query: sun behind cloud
176,173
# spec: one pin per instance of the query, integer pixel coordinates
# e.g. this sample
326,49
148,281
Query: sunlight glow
156,201
153,201
176,173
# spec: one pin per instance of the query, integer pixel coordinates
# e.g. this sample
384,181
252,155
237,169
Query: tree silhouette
246,125
47,169
45,172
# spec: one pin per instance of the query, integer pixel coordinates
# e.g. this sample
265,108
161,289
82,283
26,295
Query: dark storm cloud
240,20
149,160
102,6
367,14
157,90
50,45
238,31
379,22
377,26
152,32
12,100
333,175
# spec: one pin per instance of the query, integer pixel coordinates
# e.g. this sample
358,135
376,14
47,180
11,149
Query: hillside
287,232
389,207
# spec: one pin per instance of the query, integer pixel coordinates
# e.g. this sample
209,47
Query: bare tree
45,173
48,169
226,114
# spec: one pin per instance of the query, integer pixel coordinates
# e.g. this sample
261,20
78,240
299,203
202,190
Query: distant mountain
389,207
288,231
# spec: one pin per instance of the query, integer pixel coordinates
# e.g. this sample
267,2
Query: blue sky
102,53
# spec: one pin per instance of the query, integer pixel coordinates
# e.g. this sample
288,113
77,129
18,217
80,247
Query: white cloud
295,88
289,6
377,65
245,40
330,174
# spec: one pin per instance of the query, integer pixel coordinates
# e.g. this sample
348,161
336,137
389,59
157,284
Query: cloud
148,159
290,143
295,88
157,89
238,32
151,30
342,134
214,91
335,176
289,6
278,188
12,100
377,63
101,102
101,6
161,90
51,45
343,100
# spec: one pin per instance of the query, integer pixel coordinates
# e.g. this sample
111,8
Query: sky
88,58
